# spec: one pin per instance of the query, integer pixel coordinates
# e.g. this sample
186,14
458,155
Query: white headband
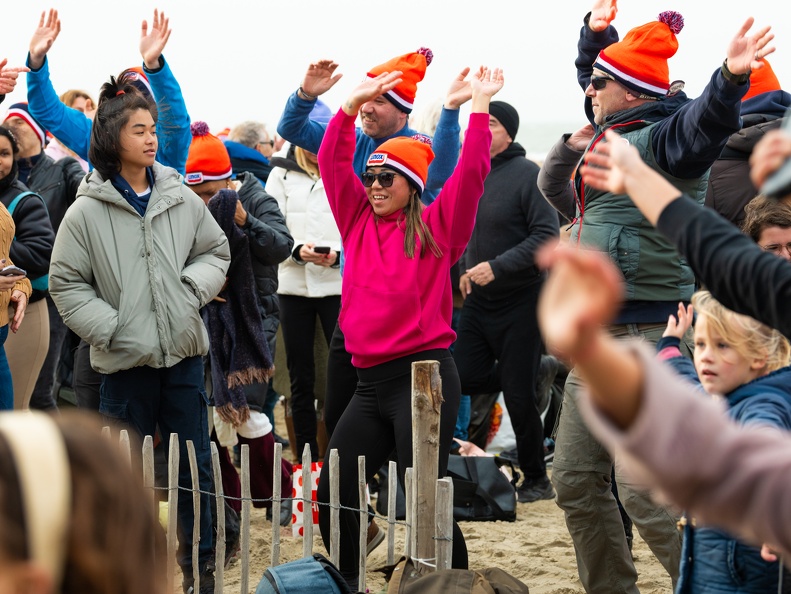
39,455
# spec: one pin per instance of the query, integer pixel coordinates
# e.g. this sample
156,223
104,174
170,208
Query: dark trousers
341,380
298,322
42,397
499,348
377,421
174,400
86,380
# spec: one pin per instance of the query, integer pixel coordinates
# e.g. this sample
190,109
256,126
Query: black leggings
378,420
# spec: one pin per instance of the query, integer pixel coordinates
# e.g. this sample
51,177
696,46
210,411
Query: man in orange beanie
628,88
763,109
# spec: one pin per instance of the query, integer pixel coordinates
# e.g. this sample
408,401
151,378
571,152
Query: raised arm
295,124
71,127
173,125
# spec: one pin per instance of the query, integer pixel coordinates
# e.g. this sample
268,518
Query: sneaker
537,490
375,537
206,580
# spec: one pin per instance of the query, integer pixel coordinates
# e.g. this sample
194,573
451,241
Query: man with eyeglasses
768,223
250,149
499,348
627,88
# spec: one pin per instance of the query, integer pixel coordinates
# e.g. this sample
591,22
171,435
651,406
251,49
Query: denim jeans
6,385
174,399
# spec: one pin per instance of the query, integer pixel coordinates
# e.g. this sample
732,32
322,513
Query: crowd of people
151,265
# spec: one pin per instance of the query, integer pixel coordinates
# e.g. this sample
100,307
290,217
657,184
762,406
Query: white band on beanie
15,112
39,456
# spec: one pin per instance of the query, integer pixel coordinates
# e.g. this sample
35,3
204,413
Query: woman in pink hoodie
396,299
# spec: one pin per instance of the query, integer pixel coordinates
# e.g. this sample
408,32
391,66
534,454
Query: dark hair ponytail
117,100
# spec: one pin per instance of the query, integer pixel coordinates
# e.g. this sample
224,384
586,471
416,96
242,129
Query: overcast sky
239,60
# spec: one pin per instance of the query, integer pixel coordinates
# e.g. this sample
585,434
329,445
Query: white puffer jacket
309,219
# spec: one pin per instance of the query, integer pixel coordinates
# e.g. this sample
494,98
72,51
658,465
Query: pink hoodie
391,305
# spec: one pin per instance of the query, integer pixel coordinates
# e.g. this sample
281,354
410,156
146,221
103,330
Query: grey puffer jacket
131,286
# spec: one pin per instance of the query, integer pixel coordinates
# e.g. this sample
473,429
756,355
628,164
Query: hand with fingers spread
153,42
678,327
319,78
370,89
43,37
485,84
9,75
745,52
459,92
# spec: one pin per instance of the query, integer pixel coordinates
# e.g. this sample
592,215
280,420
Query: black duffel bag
481,491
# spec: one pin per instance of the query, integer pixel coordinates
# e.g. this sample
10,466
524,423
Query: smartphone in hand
12,271
322,249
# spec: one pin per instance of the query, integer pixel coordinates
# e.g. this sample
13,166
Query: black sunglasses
599,82
385,178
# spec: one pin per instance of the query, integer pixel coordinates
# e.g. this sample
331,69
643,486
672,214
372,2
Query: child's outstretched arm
581,295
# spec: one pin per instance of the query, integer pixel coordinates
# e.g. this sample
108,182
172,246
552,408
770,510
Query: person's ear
758,364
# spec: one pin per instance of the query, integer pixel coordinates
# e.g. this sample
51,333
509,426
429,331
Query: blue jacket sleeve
446,144
296,126
71,127
173,125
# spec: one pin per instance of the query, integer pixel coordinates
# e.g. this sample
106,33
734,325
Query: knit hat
138,78
408,156
20,110
762,80
320,112
639,60
208,158
506,115
413,66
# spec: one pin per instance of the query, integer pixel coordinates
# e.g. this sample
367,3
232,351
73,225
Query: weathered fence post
307,503
173,501
426,403
126,448
444,523
277,487
335,509
392,496
148,471
409,475
195,512
363,503
219,502
245,536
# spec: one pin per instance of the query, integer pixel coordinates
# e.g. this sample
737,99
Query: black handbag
481,491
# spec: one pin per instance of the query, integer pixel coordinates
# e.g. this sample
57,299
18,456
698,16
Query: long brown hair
415,228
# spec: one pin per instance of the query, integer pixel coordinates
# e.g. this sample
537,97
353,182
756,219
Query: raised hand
320,77
43,37
746,52
9,75
679,327
487,81
370,89
582,293
153,43
602,14
459,92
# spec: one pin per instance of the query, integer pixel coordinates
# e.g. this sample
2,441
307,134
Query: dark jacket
739,274
32,245
512,222
245,159
270,244
56,182
730,188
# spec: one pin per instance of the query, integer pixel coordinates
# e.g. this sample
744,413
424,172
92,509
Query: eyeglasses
269,142
599,82
385,178
777,248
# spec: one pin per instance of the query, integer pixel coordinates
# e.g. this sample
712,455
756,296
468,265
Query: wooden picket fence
429,501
